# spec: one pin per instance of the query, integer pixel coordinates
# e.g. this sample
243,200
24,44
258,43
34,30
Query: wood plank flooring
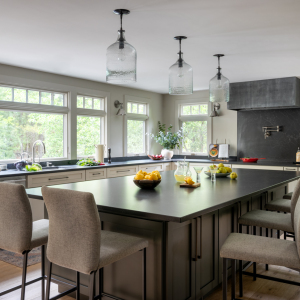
253,290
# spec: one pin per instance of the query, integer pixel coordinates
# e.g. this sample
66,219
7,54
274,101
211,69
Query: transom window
136,108
90,102
31,96
194,109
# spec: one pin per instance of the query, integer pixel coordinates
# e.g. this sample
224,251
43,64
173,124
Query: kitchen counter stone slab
169,202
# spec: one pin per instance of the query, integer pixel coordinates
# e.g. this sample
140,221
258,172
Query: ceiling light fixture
180,74
121,111
219,85
121,57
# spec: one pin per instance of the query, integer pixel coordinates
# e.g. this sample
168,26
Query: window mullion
13,94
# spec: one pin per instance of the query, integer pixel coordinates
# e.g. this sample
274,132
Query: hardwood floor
253,290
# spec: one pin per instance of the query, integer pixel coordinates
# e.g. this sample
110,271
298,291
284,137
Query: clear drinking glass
213,174
198,171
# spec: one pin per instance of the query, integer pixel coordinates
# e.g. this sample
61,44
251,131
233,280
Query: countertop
169,202
68,168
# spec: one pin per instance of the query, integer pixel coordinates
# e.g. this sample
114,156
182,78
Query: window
136,128
90,102
194,110
23,95
195,123
32,115
90,124
88,135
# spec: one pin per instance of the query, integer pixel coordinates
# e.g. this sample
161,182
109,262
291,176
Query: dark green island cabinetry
185,229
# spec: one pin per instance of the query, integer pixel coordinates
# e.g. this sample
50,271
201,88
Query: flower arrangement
168,140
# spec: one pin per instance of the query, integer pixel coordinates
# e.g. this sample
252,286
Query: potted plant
168,140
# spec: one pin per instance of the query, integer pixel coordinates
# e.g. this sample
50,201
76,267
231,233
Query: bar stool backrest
294,200
74,229
297,227
15,218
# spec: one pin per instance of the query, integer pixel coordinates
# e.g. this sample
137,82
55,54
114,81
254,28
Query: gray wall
280,146
48,81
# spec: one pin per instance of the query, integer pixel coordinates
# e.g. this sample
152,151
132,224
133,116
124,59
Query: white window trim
102,114
182,118
138,117
39,108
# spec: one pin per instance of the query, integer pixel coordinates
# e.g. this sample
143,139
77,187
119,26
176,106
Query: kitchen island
185,229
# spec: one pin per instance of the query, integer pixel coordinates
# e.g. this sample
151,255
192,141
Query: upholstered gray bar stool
18,233
288,196
77,242
239,246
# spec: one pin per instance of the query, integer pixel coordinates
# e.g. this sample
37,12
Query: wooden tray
192,186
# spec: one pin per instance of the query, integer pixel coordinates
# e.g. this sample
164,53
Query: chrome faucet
33,149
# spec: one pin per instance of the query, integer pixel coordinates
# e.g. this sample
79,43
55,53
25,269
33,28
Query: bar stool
18,233
288,196
77,242
239,246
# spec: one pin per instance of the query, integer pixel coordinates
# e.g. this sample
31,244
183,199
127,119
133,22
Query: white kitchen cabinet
291,185
121,171
168,166
257,167
95,174
39,180
152,167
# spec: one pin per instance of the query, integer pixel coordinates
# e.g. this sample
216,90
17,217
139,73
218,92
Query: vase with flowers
168,140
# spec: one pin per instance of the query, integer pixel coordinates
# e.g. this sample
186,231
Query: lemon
220,165
233,175
139,176
223,170
229,170
219,171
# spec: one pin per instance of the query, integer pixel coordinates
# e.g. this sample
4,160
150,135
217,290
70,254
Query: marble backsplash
280,146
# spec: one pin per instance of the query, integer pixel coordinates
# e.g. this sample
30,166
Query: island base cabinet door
207,277
123,279
180,260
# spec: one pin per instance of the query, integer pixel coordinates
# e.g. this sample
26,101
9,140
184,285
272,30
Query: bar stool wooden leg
241,278
144,275
100,283
43,271
254,263
48,280
78,285
24,273
224,283
267,235
233,278
92,286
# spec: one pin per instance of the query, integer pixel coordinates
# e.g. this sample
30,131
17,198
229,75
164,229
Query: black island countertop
132,162
169,202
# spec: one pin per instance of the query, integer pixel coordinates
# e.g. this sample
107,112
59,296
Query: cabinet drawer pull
97,173
58,178
291,169
123,171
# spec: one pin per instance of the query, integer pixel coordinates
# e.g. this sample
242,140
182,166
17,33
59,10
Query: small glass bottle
298,155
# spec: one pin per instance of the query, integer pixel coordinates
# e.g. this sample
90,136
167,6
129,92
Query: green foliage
168,139
195,136
18,131
88,135
87,162
135,137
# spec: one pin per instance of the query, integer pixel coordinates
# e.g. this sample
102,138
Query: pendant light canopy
219,85
180,74
121,57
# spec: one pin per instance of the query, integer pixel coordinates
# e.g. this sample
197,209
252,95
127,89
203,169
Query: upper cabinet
263,94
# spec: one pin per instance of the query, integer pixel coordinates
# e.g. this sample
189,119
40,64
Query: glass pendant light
180,74
219,86
121,57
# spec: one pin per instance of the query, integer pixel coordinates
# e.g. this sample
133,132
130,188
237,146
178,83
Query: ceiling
69,37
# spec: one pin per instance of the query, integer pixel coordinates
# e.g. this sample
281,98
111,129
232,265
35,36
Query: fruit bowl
147,184
155,157
217,174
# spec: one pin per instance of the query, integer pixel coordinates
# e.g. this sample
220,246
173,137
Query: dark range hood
265,94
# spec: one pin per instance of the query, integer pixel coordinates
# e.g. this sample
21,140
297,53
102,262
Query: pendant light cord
180,60
219,69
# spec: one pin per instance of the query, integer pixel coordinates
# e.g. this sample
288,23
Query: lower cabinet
121,171
152,167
